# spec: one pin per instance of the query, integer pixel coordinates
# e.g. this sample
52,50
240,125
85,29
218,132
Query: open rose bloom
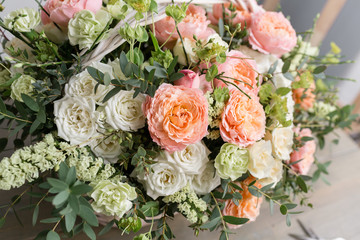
161,108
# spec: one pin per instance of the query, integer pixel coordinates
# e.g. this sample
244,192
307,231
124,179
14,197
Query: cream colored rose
275,175
108,148
22,85
117,69
124,112
112,198
206,181
189,45
282,141
75,119
85,27
261,159
164,179
83,84
22,20
192,159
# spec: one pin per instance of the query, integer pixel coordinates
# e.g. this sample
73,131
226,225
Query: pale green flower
86,27
232,161
322,109
112,198
22,85
118,9
140,5
22,20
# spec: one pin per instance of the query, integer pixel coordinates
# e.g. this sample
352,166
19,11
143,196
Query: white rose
22,85
22,20
108,148
206,181
189,45
282,141
83,84
75,119
117,69
124,112
275,175
261,159
192,159
164,179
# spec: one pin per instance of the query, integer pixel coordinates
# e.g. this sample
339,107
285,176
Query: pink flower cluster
305,153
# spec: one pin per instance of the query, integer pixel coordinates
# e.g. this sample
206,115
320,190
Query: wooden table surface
335,214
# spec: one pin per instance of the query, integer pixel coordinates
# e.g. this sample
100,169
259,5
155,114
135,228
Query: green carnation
112,198
22,20
22,85
118,9
85,28
232,161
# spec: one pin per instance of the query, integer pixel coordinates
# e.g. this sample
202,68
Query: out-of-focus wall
302,12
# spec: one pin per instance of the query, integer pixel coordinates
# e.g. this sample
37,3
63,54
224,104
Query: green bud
178,13
130,224
139,5
142,237
1,8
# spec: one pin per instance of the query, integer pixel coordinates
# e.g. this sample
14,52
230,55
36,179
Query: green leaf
2,105
301,183
35,215
273,67
211,223
34,126
63,171
2,222
74,203
283,209
150,209
235,220
288,76
41,116
176,76
52,236
30,102
286,66
96,74
110,94
290,205
288,220
61,197
50,220
80,189
89,232
319,69
271,203
71,176
70,219
3,143
107,228
211,73
88,215
254,191
235,186
283,91
57,184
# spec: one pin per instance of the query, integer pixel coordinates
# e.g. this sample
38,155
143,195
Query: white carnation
261,159
124,112
282,141
192,159
83,84
206,181
74,118
164,179
22,85
22,20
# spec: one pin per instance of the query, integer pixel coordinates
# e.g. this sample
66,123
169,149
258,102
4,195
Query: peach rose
243,119
305,97
305,153
195,23
192,80
272,33
61,11
249,205
239,66
243,13
177,116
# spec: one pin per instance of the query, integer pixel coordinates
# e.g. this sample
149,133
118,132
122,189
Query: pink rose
192,80
305,153
61,11
195,23
243,119
177,116
272,33
239,66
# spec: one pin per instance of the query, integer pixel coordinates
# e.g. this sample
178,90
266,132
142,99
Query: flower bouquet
139,109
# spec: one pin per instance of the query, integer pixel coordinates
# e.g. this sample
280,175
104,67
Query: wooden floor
336,208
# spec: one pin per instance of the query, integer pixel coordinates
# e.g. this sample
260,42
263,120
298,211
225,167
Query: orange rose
243,119
249,205
305,96
177,116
